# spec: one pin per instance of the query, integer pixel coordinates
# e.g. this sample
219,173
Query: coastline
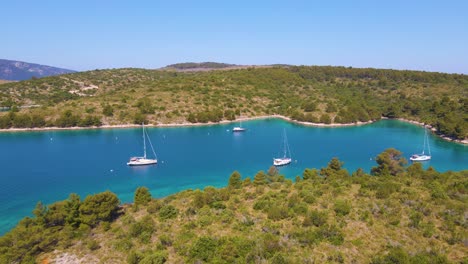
185,124
188,124
434,130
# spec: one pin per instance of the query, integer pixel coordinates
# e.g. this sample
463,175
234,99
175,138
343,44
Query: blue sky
85,35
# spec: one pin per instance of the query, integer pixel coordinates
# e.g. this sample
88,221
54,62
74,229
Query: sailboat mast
424,141
285,140
427,142
144,141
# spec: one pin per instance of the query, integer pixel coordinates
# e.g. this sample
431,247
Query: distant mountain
208,66
197,66
19,70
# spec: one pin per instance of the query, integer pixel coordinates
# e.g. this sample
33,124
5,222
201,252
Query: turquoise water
47,166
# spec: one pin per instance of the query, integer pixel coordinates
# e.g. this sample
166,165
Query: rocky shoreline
434,130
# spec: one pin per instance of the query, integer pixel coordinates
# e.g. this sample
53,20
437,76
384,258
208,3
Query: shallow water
47,166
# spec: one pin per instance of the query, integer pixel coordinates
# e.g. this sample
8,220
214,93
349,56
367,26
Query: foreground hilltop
19,70
328,95
397,215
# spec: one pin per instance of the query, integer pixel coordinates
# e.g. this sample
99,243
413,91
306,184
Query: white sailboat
140,161
286,159
423,156
239,128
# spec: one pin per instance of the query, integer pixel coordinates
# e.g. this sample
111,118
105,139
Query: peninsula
212,93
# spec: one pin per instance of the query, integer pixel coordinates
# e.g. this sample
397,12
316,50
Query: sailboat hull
238,129
421,157
141,162
281,162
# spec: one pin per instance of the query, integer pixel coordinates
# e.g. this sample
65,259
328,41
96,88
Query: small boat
422,156
239,128
286,159
281,161
141,161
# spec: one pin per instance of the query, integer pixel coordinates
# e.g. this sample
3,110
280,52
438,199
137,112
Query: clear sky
89,34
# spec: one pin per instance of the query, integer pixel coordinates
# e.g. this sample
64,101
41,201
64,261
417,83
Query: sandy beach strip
188,124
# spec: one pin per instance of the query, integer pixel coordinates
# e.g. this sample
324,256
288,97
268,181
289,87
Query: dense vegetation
399,214
199,65
313,94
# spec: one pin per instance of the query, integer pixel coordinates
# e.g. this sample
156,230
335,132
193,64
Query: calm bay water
48,166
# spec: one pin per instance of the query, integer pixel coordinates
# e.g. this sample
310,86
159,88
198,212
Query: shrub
153,206
154,258
123,245
165,240
168,212
246,182
325,119
385,189
260,178
203,249
107,110
218,205
99,207
437,191
142,229
262,204
315,218
342,208
395,255
415,219
92,245
278,258
277,212
235,181
310,174
309,198
134,257
140,118
142,196
332,234
300,209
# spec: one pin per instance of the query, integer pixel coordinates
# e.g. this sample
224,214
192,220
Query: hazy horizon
246,65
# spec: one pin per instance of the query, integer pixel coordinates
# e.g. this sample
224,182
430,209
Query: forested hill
305,93
397,215
199,65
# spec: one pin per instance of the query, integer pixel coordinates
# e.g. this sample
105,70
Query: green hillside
313,94
397,215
